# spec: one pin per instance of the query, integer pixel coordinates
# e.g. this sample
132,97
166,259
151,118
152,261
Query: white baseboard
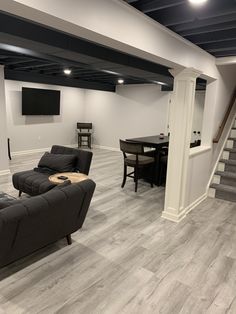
38,150
107,147
4,172
177,218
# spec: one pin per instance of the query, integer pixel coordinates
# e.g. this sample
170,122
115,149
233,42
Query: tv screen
40,101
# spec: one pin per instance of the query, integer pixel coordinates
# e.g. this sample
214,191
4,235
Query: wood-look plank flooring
127,259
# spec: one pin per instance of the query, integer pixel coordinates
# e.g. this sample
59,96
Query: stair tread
232,150
224,187
232,138
231,162
227,174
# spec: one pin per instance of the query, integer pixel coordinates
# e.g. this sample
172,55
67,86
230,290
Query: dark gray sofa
35,183
33,223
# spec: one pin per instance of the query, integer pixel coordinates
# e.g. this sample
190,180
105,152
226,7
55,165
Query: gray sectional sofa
35,183
32,223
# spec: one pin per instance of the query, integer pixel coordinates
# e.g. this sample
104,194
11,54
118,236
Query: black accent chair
136,160
35,183
32,223
84,134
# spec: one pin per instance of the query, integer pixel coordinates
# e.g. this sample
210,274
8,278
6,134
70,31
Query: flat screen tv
40,101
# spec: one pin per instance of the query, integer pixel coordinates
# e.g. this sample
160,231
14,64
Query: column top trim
185,73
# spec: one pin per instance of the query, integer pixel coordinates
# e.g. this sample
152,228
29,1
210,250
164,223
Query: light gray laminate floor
127,259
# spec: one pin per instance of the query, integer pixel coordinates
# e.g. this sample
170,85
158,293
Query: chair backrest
131,147
84,157
84,126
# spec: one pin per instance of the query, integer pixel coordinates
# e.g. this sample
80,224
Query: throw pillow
58,162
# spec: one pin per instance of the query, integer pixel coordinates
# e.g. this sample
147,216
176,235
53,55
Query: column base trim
177,218
4,172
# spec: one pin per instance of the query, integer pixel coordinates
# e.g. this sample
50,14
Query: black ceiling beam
30,31
230,53
209,28
197,23
37,78
212,37
17,61
155,5
219,46
186,13
33,66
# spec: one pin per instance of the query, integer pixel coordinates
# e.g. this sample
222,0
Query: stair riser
228,181
233,133
226,196
230,168
232,156
234,145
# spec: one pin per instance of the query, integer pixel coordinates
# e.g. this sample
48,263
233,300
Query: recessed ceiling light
197,2
120,81
67,71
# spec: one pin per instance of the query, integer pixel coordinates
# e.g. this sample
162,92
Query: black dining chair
136,159
84,134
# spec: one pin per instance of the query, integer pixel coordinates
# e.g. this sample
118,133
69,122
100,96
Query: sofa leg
20,192
69,240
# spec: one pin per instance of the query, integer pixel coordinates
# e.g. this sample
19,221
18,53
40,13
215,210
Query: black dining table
157,142
154,141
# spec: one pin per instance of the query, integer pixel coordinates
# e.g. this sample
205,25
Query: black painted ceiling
211,26
34,53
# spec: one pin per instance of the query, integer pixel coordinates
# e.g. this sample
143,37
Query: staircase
224,181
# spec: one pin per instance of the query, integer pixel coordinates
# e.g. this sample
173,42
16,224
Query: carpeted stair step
224,192
229,165
227,178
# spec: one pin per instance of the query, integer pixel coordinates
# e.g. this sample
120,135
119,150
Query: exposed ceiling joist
153,5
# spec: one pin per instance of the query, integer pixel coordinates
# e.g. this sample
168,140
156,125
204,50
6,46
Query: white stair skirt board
216,179
211,193
229,144
221,166
225,155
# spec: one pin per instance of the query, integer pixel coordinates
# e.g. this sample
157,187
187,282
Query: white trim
39,150
212,193
5,172
225,61
183,214
222,150
198,150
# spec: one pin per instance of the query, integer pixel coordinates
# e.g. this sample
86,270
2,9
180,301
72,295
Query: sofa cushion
32,182
7,200
58,162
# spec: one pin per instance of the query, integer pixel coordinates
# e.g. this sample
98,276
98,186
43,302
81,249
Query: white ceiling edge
226,61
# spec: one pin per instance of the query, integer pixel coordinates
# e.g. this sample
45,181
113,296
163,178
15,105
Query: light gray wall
133,111
4,165
36,132
130,112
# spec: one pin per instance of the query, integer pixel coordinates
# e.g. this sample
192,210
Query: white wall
4,164
198,114
132,111
35,132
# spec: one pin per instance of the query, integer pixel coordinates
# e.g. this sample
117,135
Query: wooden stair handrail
222,126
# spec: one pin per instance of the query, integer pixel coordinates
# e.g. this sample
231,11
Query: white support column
4,163
181,116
